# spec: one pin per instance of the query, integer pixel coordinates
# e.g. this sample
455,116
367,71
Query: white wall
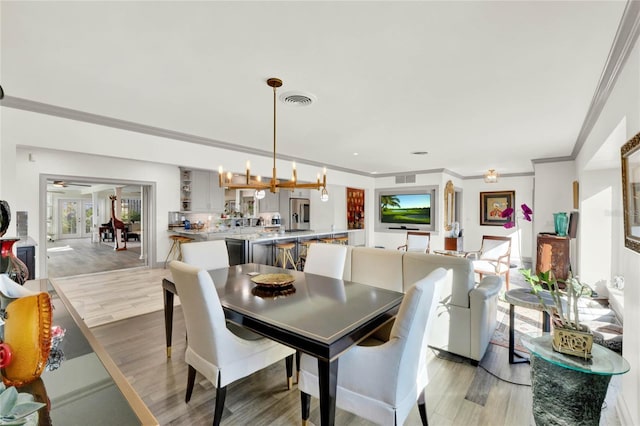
473,231
73,148
623,106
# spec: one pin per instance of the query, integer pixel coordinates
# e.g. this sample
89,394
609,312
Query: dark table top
323,316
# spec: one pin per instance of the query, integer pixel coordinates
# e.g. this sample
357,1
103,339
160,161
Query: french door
74,218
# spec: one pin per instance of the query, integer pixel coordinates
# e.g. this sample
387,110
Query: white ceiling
477,84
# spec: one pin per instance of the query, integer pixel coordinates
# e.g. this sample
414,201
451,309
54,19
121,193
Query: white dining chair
417,241
212,350
326,259
382,382
206,254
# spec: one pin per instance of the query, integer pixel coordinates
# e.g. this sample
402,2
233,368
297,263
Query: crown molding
623,43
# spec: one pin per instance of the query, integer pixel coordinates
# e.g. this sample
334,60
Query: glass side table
568,389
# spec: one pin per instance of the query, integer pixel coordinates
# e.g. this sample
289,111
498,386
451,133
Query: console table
88,387
525,298
568,389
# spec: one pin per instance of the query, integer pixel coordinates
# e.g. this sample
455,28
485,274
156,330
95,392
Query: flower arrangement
508,212
570,336
564,312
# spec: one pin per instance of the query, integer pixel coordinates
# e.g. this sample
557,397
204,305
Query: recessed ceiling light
420,152
355,153
374,173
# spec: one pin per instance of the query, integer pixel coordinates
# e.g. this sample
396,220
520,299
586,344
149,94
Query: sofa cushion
378,267
418,265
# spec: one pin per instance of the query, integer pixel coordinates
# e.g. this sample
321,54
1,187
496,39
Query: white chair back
413,327
203,314
206,255
382,383
418,242
495,248
326,259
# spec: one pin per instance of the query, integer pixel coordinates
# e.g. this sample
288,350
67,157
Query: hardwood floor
78,256
494,393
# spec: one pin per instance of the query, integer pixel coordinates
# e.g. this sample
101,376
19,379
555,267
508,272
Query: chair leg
191,380
221,394
305,405
289,363
298,366
422,409
507,280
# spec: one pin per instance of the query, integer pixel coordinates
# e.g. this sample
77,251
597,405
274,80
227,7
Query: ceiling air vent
297,98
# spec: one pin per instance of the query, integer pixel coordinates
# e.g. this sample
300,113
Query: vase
573,342
10,264
561,223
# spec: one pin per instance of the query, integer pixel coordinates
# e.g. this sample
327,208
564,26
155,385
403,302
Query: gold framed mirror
449,206
630,156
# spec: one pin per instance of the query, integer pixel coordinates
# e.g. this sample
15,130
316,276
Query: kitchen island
259,247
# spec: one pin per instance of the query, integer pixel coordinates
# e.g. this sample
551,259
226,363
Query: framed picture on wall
492,204
355,208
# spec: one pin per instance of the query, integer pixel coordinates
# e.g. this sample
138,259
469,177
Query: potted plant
570,336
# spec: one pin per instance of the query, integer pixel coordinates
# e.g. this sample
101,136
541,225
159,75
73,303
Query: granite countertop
256,236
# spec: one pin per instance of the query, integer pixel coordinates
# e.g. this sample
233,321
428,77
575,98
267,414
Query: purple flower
506,212
526,215
526,212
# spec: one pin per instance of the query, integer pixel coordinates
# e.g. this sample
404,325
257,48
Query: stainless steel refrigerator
299,214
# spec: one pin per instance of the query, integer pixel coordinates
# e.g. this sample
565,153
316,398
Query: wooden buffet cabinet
553,254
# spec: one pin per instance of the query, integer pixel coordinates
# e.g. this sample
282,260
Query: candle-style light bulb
248,165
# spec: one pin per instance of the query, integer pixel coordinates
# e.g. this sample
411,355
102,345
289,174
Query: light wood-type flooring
494,393
77,256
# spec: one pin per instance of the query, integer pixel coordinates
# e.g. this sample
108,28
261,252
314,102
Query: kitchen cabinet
200,191
270,202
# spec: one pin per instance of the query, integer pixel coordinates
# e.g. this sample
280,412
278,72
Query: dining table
316,315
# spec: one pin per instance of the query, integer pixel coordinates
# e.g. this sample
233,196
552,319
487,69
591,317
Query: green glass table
568,389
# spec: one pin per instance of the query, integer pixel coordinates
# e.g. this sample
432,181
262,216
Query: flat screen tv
406,209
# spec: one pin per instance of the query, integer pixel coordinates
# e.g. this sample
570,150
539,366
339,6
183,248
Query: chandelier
491,176
274,185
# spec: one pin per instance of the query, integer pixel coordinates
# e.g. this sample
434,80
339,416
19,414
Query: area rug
527,322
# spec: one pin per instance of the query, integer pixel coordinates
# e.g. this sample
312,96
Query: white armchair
381,383
326,259
206,254
218,354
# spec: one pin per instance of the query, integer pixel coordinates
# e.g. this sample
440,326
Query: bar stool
328,240
175,252
283,255
302,256
341,240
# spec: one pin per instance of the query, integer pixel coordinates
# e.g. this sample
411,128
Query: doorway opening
77,226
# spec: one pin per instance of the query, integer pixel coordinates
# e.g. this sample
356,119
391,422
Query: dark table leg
328,376
546,322
512,351
168,319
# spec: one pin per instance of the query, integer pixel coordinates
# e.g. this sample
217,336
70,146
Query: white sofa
466,315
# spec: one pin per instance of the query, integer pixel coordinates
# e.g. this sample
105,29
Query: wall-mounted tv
414,209
409,208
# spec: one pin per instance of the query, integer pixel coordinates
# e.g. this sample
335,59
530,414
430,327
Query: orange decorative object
27,331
